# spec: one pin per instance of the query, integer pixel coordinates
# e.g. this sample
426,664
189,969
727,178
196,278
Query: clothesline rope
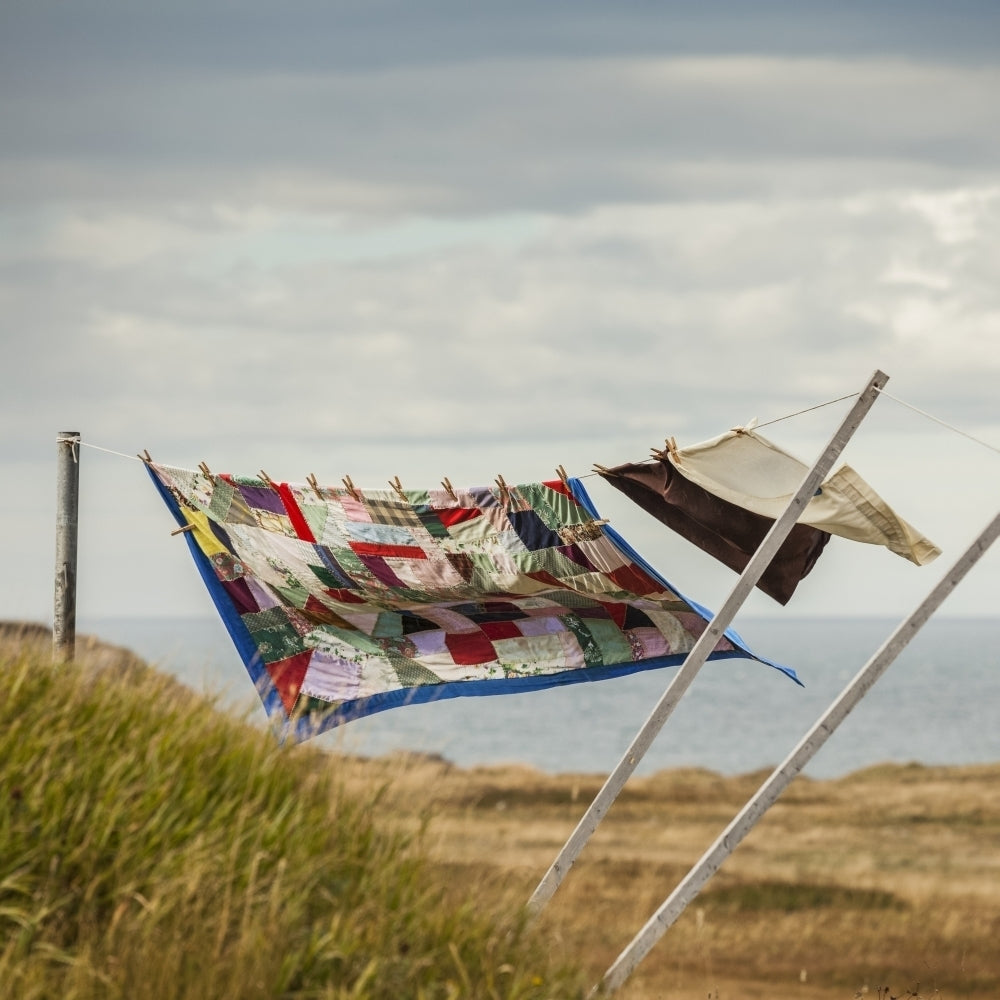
808,409
938,420
767,423
110,451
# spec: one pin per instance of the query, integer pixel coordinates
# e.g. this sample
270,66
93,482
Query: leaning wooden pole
67,519
783,775
706,643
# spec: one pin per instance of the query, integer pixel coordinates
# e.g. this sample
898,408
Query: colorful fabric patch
343,602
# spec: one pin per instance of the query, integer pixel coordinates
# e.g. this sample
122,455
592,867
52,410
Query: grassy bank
152,846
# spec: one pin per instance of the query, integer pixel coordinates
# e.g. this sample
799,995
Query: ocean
938,703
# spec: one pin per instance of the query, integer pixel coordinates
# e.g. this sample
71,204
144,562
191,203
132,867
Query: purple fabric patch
262,498
380,569
428,642
331,677
265,598
548,625
574,553
241,595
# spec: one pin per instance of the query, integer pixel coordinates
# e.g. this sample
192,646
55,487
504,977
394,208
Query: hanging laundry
729,533
724,495
343,602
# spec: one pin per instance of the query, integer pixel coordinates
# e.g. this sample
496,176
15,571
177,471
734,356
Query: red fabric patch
317,611
288,675
456,515
558,486
543,576
616,612
344,596
632,579
299,523
500,630
469,648
399,551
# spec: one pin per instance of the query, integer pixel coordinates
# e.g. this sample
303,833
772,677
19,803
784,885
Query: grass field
151,846
887,880
883,884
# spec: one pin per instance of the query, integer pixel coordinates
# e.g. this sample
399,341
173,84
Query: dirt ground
882,884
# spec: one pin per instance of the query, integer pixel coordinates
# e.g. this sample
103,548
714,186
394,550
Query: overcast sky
450,239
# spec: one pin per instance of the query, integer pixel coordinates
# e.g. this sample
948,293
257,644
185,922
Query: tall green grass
152,846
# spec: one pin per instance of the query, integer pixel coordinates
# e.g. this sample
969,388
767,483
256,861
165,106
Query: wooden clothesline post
704,646
782,776
67,519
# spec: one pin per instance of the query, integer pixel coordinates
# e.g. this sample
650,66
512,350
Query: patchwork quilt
343,602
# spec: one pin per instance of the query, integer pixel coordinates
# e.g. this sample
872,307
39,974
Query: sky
434,239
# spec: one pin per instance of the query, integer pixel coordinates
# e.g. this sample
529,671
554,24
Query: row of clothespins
353,490
398,486
669,449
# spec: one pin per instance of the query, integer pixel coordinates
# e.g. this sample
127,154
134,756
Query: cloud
393,239
505,135
634,310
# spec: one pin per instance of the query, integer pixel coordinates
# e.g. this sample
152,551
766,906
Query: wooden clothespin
504,490
267,479
311,480
669,449
205,469
561,472
180,531
145,456
398,487
601,468
351,488
446,483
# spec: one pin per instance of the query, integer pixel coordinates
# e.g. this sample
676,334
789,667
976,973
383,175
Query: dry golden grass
886,880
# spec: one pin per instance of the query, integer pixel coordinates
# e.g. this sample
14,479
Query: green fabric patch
222,497
432,523
236,509
551,561
274,635
571,599
615,648
411,673
326,577
315,517
591,650
565,508
293,593
539,497
351,564
335,638
388,625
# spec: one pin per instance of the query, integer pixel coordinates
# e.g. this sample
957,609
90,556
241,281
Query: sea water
938,703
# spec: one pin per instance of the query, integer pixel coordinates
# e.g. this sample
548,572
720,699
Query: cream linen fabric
747,469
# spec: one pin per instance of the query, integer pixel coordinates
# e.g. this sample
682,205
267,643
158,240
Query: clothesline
766,423
938,420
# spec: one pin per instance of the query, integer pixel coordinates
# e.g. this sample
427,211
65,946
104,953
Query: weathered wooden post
67,517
